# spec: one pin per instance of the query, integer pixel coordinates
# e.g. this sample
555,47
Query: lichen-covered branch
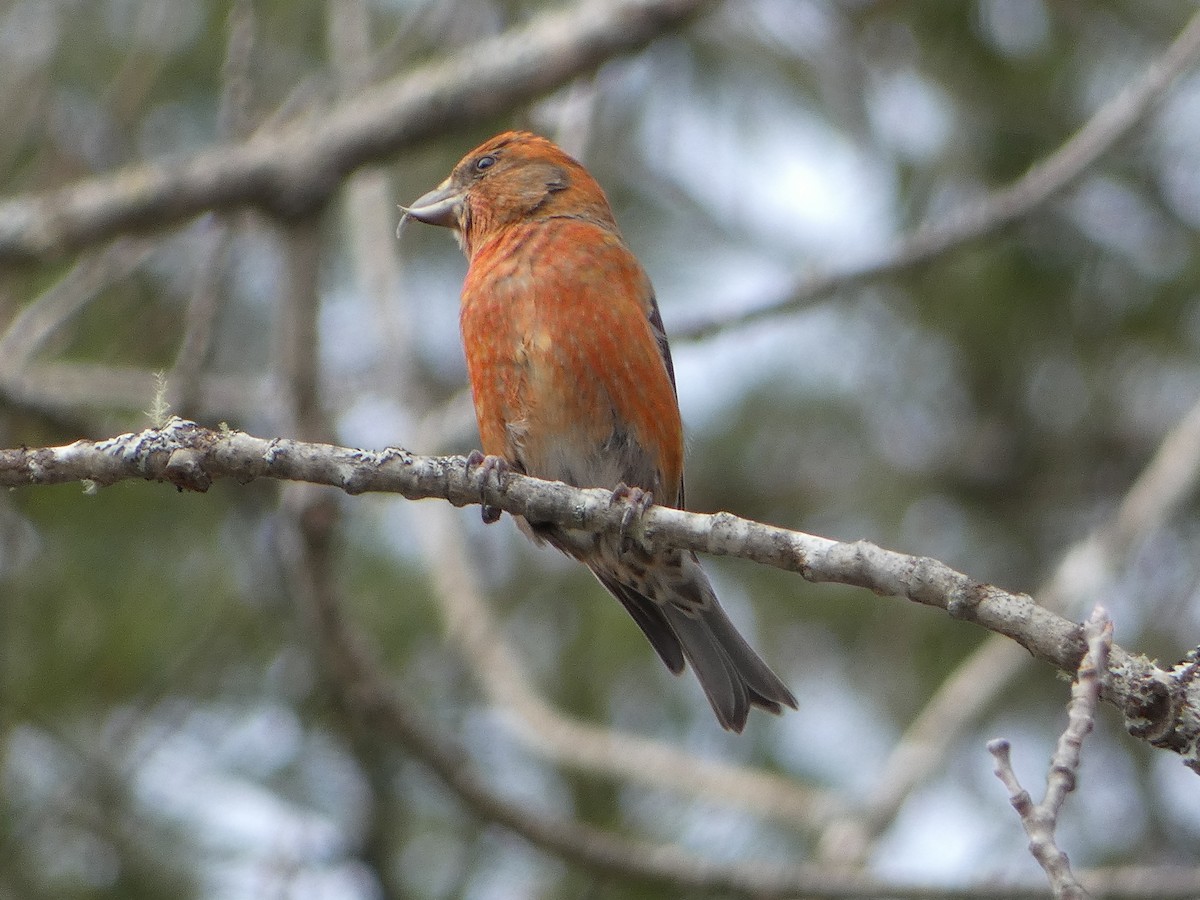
1161,706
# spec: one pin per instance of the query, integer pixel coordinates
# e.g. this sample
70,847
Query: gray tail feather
733,676
650,618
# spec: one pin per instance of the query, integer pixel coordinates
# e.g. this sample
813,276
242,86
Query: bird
572,381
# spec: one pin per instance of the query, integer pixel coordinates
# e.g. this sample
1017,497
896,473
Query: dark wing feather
664,349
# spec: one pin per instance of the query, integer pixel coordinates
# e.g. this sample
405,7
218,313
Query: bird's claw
483,468
639,501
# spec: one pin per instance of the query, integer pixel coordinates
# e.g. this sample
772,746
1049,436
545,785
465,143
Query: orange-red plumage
572,381
534,320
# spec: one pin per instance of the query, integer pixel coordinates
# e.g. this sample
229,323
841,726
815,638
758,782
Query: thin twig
1040,820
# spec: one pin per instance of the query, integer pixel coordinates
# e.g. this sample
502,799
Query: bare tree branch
1160,706
1041,819
1086,568
294,169
377,704
1042,181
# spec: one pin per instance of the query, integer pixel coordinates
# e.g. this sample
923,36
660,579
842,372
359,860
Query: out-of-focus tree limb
1161,706
583,746
292,170
1169,478
1043,180
40,319
378,705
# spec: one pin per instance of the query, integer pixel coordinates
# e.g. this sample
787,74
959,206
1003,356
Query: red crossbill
572,381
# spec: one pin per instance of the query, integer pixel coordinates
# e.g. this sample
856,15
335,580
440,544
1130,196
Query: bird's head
513,178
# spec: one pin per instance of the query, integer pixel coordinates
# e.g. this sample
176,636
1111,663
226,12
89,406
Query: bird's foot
484,468
638,502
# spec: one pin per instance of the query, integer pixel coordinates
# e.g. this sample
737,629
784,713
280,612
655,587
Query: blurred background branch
983,217
294,168
1085,572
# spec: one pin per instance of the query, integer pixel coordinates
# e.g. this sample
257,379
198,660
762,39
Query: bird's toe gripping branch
639,501
485,468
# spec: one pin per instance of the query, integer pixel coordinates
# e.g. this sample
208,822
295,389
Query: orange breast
565,370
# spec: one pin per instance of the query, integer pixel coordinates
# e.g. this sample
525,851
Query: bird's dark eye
484,162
